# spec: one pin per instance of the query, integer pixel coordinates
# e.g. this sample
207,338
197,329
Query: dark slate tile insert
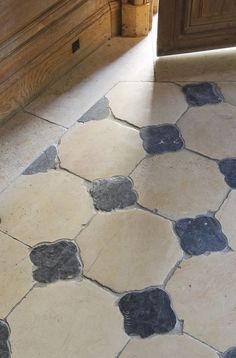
230,353
4,337
113,193
46,161
202,93
147,312
228,168
55,261
161,139
100,110
200,235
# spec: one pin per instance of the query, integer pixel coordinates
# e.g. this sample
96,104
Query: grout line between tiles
202,342
123,349
44,119
154,212
223,201
172,272
14,238
202,155
103,287
18,303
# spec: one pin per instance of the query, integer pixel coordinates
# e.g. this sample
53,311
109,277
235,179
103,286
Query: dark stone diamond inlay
100,110
55,261
160,139
46,161
147,312
4,336
202,93
230,353
228,168
200,235
113,193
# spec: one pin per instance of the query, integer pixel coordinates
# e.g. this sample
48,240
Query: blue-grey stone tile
161,139
4,337
147,312
46,161
228,168
202,93
113,193
100,110
230,353
200,235
55,261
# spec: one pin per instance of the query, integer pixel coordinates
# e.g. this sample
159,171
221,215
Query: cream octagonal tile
168,346
203,294
147,103
210,130
181,184
67,319
45,207
15,274
128,250
226,216
100,149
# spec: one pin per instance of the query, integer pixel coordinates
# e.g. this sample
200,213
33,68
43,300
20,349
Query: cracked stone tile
22,139
167,346
147,312
200,235
227,219
177,184
79,317
228,169
46,161
56,261
144,104
230,353
161,139
100,149
128,250
113,193
99,111
203,295
210,130
4,340
45,207
228,90
15,275
203,93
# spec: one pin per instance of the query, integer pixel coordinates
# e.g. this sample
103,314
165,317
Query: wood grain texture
194,25
46,55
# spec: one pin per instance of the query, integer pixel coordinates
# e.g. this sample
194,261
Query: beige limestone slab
15,274
100,149
166,347
67,319
217,65
210,130
147,103
128,250
120,59
203,294
228,90
178,185
45,207
226,216
22,139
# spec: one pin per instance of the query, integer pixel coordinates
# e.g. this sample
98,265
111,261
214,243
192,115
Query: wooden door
194,25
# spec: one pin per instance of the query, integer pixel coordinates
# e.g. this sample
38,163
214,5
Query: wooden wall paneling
115,6
57,58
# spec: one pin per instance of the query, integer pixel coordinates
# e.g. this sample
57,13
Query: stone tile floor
118,234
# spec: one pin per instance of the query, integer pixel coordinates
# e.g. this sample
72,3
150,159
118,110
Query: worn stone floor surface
118,230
